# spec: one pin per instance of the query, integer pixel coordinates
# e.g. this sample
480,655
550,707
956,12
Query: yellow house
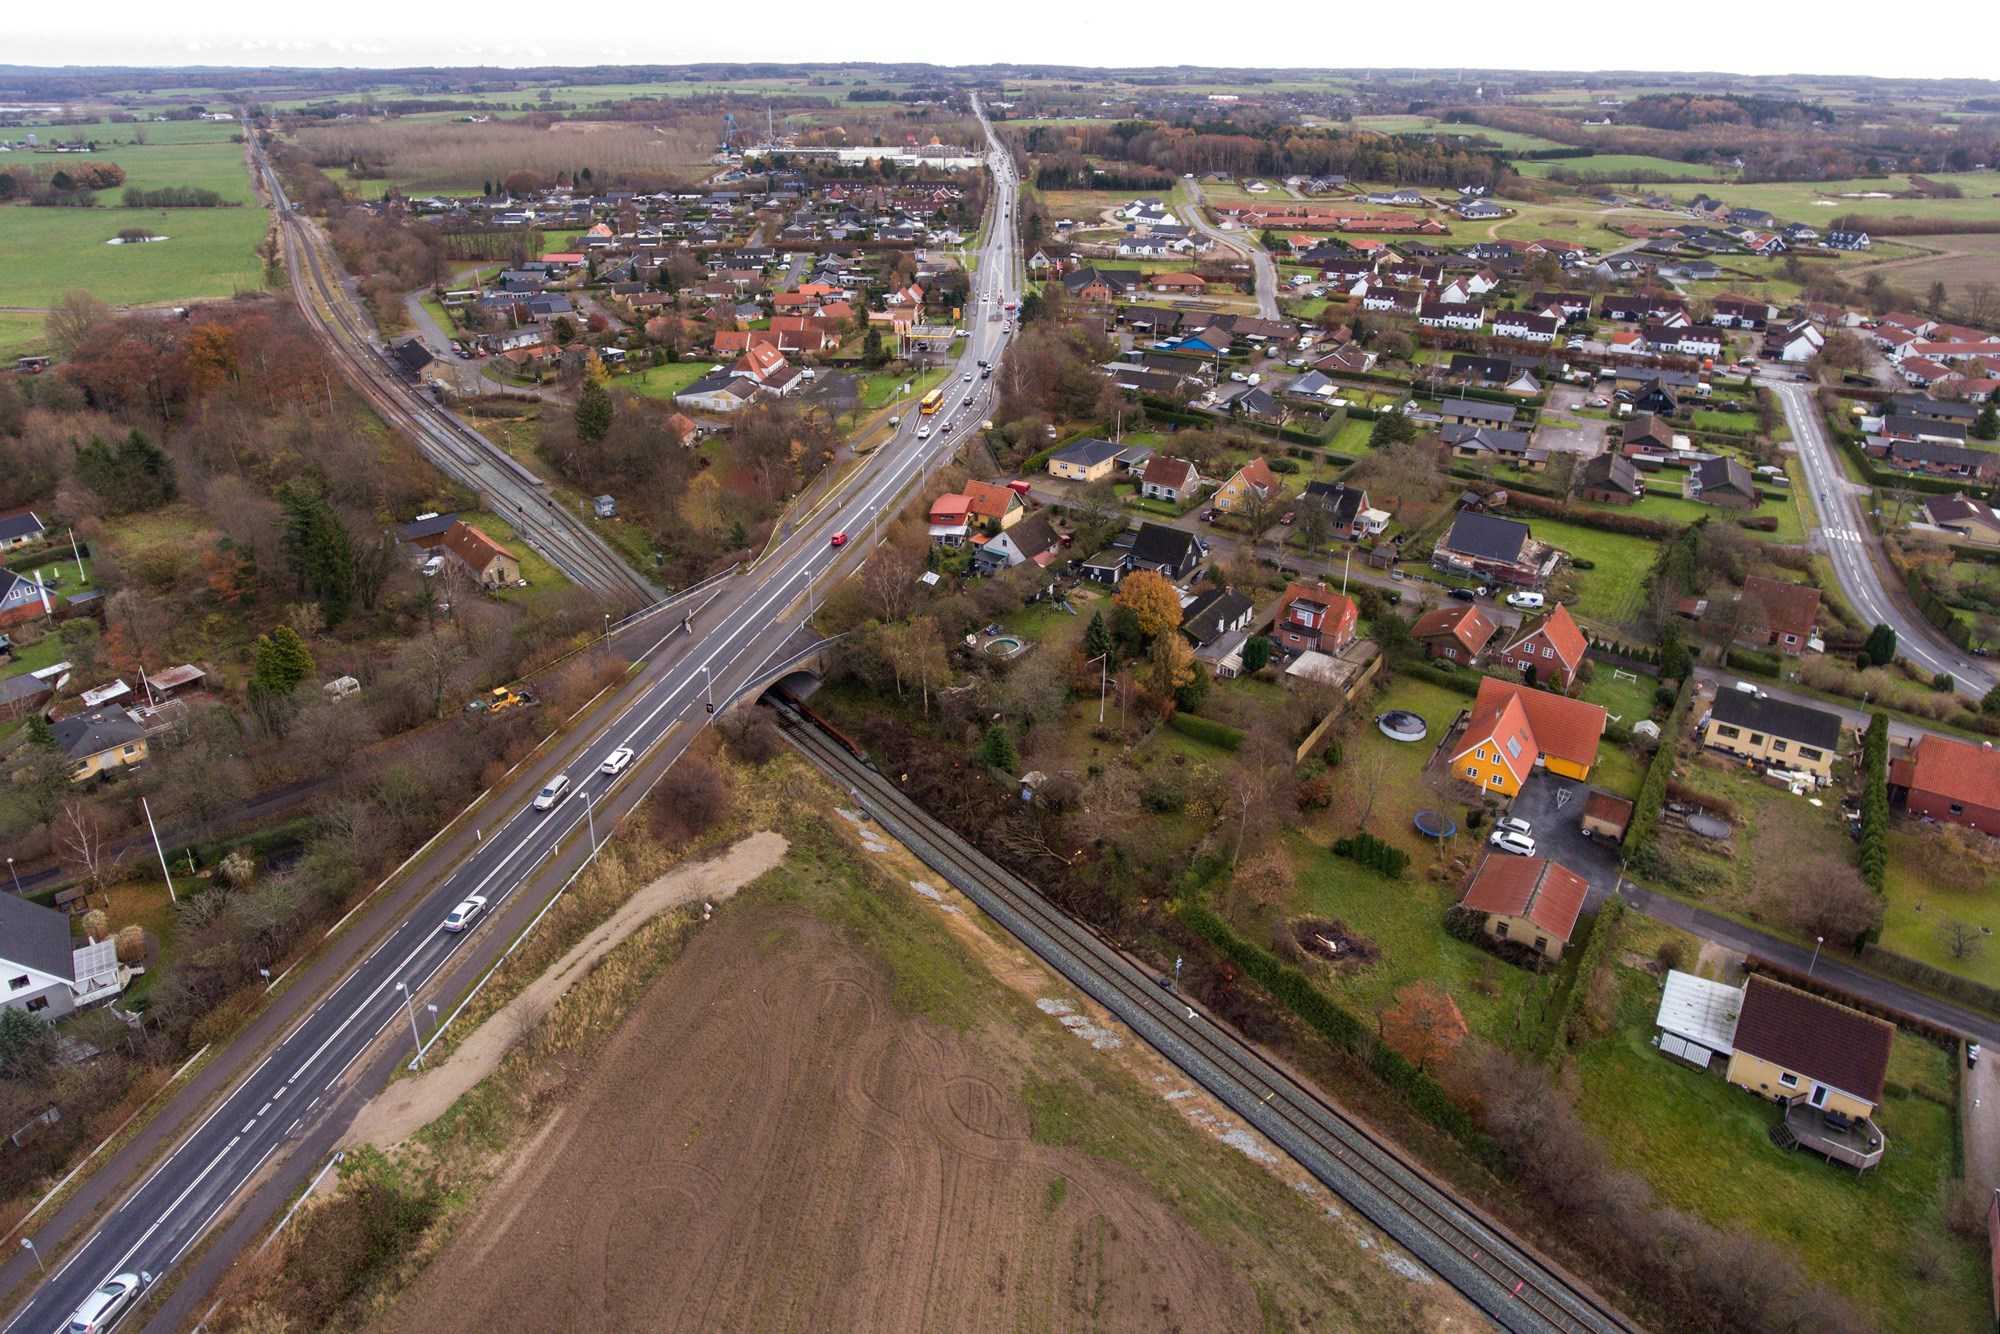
1773,731
1253,478
1793,1047
1512,726
99,742
1087,460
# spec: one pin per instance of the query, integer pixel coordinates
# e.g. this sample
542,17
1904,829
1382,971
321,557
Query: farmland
1612,166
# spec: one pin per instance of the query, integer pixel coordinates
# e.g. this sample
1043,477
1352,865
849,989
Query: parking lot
1554,806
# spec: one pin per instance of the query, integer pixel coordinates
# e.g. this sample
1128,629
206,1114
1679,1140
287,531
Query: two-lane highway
751,616
1850,543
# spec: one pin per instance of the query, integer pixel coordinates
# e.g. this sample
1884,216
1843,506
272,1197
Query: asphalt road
1850,543
299,1090
1267,271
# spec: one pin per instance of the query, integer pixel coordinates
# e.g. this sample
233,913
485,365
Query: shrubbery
1374,853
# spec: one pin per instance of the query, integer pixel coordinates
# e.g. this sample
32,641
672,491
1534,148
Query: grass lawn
1405,921
663,381
1619,770
1394,770
1700,1143
1918,905
1668,506
45,652
545,582
22,333
1625,700
1612,591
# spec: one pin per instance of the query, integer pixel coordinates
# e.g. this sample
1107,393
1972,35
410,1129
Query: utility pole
1103,680
81,576
157,849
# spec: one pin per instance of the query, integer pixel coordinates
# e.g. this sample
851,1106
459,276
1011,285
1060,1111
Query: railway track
457,450
1518,1290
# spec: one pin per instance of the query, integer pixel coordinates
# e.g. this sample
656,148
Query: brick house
1458,633
1791,611
1949,780
1313,617
492,564
1549,650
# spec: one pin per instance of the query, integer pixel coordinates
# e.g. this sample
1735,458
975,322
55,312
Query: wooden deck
1856,1143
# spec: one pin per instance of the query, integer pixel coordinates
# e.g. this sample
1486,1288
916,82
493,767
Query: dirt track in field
769,1144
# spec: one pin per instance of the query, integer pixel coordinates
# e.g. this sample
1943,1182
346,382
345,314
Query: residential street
1267,272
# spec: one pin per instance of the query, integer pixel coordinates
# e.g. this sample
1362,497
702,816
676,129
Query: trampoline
1402,725
1434,824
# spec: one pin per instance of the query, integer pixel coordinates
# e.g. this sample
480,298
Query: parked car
463,915
101,1309
1508,840
1287,517
1971,1054
1515,823
1239,377
1462,594
553,793
615,762
1208,516
1525,601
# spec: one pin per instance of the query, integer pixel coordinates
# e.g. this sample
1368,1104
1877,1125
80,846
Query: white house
1525,326
40,972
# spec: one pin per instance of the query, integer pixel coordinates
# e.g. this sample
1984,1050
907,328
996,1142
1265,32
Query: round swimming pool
1402,725
1006,646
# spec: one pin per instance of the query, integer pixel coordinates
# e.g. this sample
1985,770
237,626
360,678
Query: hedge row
1603,935
1373,853
1875,802
1292,989
1206,729
1653,791
1610,521
1930,978
1756,664
1936,610
1465,683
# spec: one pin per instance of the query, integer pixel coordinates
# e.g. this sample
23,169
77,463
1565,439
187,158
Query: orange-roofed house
1253,480
759,362
563,257
1949,780
683,430
951,519
1548,650
490,562
1514,725
1457,633
1531,901
1314,618
996,508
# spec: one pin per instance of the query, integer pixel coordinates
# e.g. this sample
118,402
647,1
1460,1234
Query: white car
102,1307
967,377
1515,823
1526,601
1507,840
615,762
553,793
462,916
923,433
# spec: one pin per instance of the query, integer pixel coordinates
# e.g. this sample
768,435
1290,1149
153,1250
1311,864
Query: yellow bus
932,402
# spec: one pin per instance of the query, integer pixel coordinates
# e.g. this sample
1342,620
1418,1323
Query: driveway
1561,429
1980,1120
1554,806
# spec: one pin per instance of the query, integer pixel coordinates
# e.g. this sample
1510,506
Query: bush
1756,664
1282,465
1163,796
1217,734
1653,790
1374,853
692,800
1582,563
751,736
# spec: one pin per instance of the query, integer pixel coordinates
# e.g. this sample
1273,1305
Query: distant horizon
371,35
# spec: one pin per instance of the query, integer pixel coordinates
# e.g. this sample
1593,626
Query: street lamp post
410,1006
1817,942
1103,660
707,700
29,1246
607,626
14,873
590,819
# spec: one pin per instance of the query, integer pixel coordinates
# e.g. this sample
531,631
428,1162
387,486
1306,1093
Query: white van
553,793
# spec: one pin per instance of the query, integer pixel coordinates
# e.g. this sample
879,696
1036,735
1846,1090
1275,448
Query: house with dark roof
41,972
1824,1062
1773,732
100,741
1490,547
1721,481
1086,460
1940,778
1610,479
1217,623
1475,412
1457,632
1494,443
19,529
1967,520
1033,539
1346,507
411,357
1939,460
1530,901
1790,612
1173,552
1547,650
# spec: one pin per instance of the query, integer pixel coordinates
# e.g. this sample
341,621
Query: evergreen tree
997,749
593,413
1675,662
1391,428
283,661
1096,636
39,732
1881,646
1256,653
130,475
1987,425
1188,697
318,551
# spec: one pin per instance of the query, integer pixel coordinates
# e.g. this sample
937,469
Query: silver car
102,1307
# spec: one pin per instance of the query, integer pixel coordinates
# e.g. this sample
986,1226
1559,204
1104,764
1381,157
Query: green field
1612,592
211,251
1917,907
1611,166
21,334
1508,140
664,381
1820,202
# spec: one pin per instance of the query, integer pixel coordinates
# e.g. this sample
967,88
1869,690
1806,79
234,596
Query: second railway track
1515,1288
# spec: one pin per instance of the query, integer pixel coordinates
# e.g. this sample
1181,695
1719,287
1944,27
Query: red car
840,539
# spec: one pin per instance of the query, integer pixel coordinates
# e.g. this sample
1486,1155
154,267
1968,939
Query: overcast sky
1954,38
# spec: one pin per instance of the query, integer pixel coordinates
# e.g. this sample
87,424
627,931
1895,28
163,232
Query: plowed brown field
771,1145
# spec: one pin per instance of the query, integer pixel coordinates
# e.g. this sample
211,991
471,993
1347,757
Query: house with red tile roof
1457,633
1945,779
996,508
1253,480
1312,617
682,430
1531,901
492,564
1510,727
760,362
1790,611
1548,650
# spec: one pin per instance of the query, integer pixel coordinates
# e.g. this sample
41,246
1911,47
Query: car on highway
1511,841
615,762
464,914
553,793
1525,601
967,377
946,428
839,540
101,1309
923,433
